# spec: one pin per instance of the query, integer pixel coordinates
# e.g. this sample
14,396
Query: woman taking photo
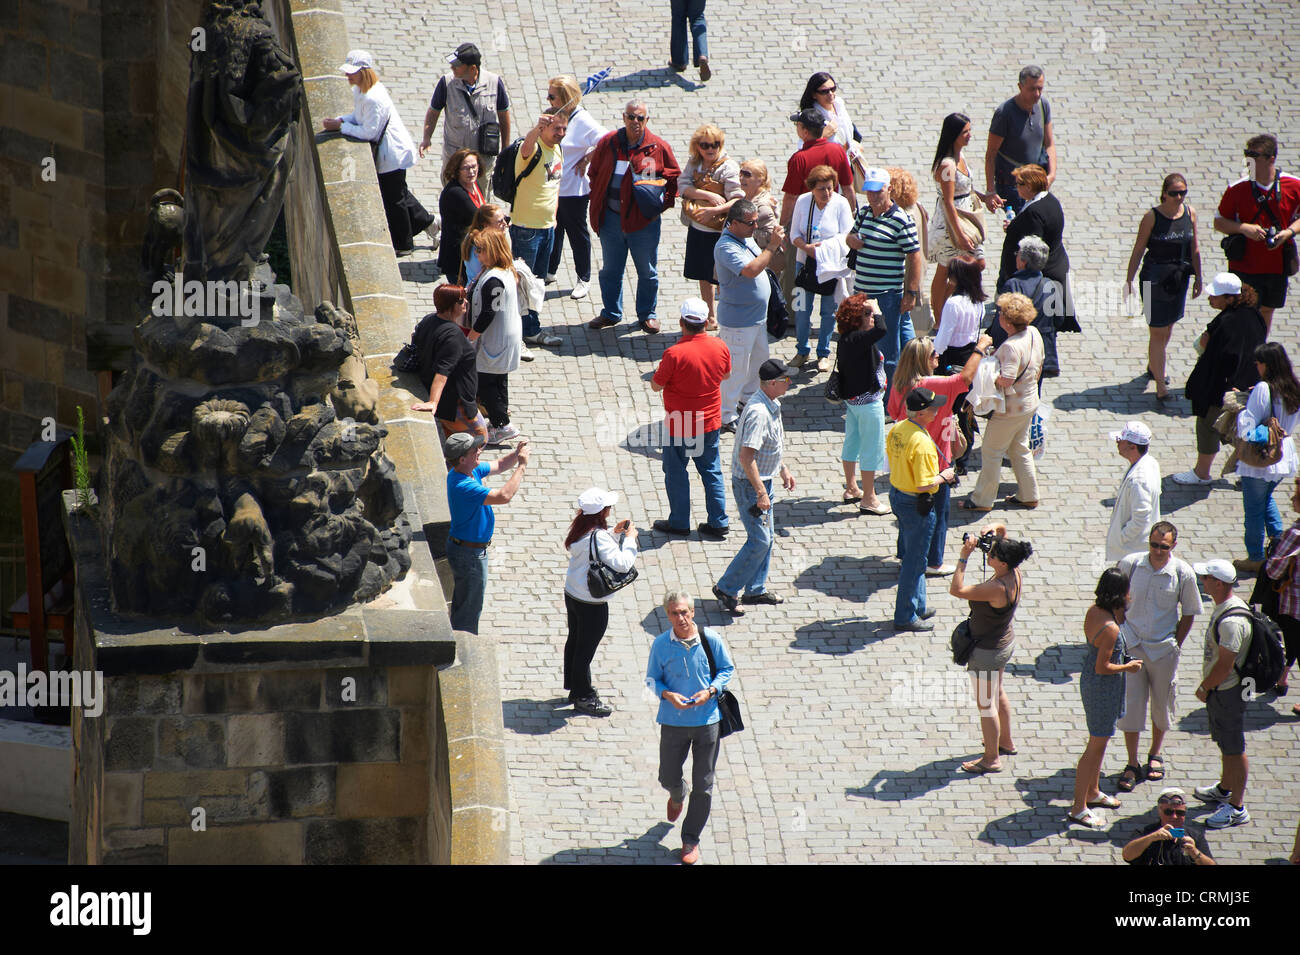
917,368
756,186
1167,235
497,328
1276,397
862,385
992,609
580,138
956,195
374,120
1101,684
1020,363
1227,361
820,214
459,201
589,615
711,185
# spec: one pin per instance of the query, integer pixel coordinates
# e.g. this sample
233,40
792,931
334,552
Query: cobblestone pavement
855,734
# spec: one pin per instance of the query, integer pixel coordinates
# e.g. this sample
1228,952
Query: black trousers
406,216
587,624
1290,637
494,396
571,220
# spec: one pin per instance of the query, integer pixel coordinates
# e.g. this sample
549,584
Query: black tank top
1171,239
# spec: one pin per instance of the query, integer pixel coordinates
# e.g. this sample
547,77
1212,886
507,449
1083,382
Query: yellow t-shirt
913,458
539,191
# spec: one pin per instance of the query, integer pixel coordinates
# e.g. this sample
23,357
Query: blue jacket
686,671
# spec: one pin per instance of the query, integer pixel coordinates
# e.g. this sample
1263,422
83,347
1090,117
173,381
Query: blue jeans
615,244
469,565
534,247
703,450
898,329
937,542
692,11
803,322
914,535
748,569
1261,514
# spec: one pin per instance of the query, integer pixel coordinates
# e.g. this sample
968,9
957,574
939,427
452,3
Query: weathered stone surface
266,843
129,743
362,841
303,791
191,743
343,736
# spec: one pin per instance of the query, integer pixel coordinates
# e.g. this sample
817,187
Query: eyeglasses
1173,812
1252,154
752,223
827,90
1179,193
745,174
714,145
1154,546
634,118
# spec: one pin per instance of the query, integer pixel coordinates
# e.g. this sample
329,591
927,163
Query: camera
984,542
1270,237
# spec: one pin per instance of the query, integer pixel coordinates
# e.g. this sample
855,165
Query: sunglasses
1155,546
550,97
634,118
1173,812
1251,154
1179,193
827,89
714,145
752,223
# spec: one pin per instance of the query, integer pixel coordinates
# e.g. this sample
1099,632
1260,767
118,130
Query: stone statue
162,236
243,103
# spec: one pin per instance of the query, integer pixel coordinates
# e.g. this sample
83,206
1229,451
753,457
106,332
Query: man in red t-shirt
814,151
1264,200
690,375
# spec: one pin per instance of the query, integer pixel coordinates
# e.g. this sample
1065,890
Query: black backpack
1265,657
505,184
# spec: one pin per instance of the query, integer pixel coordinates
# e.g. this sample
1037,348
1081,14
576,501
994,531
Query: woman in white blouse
822,94
374,119
1277,396
588,615
819,214
579,140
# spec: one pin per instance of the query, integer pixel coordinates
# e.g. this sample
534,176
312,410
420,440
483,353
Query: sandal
1105,802
1131,776
968,505
1013,501
1086,818
977,767
1152,773
849,497
1007,752
879,510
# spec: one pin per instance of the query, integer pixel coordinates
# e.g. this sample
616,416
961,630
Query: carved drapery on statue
244,99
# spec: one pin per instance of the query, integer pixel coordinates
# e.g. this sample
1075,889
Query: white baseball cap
1218,568
358,60
875,180
1225,283
1134,432
695,311
594,500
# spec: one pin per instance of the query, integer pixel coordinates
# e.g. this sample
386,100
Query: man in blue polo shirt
472,520
679,674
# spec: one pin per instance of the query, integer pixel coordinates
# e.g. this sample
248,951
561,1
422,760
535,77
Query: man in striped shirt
889,263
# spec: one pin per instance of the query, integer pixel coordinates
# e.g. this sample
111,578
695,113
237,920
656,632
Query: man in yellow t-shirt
532,214
914,476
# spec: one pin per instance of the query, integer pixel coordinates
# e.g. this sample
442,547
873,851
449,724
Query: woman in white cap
1227,348
589,615
374,119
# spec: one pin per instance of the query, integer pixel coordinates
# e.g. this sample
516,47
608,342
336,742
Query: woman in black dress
1167,234
459,201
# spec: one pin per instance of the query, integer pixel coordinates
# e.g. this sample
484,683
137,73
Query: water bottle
1009,214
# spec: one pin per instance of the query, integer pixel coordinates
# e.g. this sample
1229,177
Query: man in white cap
889,263
478,111
1137,502
1227,641
690,375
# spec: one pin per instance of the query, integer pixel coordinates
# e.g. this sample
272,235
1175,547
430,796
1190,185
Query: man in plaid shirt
1285,564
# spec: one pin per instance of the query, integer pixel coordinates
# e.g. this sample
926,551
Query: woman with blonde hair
375,120
497,328
579,140
710,184
1020,364
756,185
904,192
487,216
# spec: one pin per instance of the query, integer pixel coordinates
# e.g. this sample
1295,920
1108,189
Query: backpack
505,184
1265,658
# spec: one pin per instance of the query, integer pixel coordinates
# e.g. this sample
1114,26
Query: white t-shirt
1259,408
835,219
583,133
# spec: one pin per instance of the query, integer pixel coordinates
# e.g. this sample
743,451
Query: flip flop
1152,773
968,505
1105,802
1007,752
977,768
1129,778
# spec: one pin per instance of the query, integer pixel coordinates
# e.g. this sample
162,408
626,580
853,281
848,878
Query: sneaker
1227,815
944,570
541,338
690,854
579,291
507,432
593,706
706,74
927,613
1191,477
663,527
1210,793
824,364
728,602
550,278
763,597
526,355
916,626
798,361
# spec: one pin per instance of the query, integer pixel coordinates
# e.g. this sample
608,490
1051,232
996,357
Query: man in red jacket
621,158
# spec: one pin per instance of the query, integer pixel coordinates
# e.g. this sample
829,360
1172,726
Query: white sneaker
1191,477
526,355
501,435
824,364
550,278
579,291
1211,793
1227,815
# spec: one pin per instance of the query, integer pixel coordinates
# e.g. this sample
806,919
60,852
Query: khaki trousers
1009,435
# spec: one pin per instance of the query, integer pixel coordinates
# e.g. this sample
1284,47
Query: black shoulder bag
489,131
833,382
731,720
603,580
806,277
374,143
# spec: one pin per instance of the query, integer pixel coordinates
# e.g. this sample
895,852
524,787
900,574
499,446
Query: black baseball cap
773,369
919,399
466,53
811,118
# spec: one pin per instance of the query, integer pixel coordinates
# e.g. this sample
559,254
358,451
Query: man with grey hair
1047,295
622,163
688,678
1020,133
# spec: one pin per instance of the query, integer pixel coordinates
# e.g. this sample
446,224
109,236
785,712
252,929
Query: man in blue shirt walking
679,674
472,520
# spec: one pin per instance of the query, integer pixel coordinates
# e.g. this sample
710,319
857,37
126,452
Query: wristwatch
915,293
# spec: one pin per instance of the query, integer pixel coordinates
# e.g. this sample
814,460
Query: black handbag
489,131
1234,246
778,316
603,580
731,720
963,643
806,277
832,392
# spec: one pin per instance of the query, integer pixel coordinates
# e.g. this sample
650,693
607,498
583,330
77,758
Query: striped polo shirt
887,240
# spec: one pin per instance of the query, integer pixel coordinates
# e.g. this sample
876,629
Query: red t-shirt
952,387
690,373
1239,204
817,152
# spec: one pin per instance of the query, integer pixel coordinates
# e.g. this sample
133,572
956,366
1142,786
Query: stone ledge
36,779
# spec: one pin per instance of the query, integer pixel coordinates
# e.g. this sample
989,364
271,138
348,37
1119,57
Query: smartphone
756,510
687,701
1177,833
